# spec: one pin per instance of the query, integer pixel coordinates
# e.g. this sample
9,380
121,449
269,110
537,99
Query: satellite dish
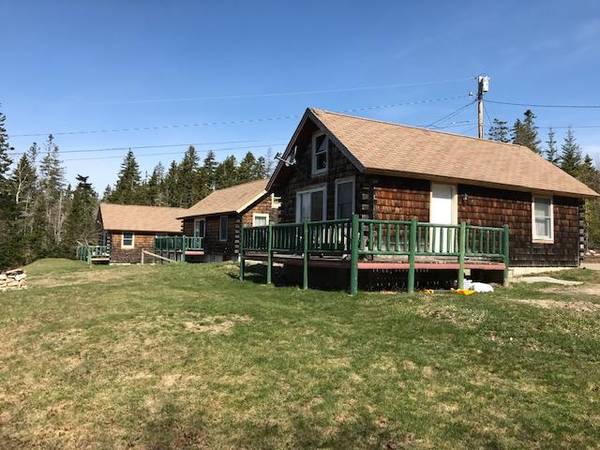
290,160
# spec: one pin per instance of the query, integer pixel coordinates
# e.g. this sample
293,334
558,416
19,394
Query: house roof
388,148
233,199
141,218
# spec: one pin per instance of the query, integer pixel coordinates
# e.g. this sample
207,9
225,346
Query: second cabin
218,218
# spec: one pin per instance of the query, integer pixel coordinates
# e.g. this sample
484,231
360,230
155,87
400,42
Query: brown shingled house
129,229
218,217
337,166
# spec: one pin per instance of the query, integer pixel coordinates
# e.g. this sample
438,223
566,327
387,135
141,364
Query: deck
177,248
93,254
364,244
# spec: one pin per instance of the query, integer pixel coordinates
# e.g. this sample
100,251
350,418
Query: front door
442,212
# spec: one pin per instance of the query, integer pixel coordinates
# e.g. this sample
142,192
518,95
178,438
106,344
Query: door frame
454,220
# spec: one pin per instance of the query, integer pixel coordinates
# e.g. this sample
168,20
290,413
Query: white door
442,212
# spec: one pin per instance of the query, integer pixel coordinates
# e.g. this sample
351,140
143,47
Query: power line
534,105
144,155
283,94
234,122
452,114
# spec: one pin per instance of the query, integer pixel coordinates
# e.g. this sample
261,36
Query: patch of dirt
463,318
82,277
577,306
215,324
590,289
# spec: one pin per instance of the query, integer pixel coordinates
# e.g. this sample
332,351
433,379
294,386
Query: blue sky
85,66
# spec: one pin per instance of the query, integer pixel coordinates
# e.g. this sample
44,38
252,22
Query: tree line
41,215
569,157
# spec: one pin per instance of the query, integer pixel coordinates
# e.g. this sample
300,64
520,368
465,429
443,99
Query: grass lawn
186,356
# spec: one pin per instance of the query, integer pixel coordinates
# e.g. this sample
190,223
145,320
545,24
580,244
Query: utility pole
483,85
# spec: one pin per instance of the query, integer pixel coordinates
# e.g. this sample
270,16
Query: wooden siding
495,207
264,206
401,198
141,241
298,178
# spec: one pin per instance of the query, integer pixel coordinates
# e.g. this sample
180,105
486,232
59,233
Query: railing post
354,256
461,254
505,253
305,255
412,250
269,252
242,254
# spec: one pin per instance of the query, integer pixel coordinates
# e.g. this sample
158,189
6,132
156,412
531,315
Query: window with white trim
223,225
275,201
127,239
542,219
199,227
344,198
260,220
320,153
311,205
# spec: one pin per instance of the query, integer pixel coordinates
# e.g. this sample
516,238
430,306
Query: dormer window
320,154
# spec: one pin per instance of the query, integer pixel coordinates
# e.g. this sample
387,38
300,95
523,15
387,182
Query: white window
320,153
199,227
223,225
344,198
260,220
311,204
127,239
275,201
542,219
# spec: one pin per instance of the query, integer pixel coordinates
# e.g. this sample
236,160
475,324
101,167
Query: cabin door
443,211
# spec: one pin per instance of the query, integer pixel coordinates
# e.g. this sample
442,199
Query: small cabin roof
140,218
229,200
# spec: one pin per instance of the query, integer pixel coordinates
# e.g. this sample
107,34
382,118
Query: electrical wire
452,114
233,122
534,105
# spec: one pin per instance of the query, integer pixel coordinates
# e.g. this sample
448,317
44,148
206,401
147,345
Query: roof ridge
143,206
414,127
237,185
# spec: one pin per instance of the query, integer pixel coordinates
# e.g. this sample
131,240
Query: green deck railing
366,237
89,252
177,243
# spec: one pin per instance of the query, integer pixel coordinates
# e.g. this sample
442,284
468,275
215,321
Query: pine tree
552,154
154,187
186,180
171,186
248,169
128,187
80,225
8,233
525,132
570,158
209,166
226,173
499,131
107,194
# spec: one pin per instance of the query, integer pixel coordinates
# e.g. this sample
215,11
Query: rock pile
13,279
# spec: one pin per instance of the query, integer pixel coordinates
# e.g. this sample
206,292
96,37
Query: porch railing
87,253
177,243
366,237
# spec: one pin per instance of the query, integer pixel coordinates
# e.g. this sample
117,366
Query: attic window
320,150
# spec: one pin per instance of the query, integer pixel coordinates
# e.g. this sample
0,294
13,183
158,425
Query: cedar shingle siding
141,241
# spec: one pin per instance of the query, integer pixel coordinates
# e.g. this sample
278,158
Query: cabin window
275,201
344,198
542,218
311,205
127,240
223,225
319,157
260,220
199,227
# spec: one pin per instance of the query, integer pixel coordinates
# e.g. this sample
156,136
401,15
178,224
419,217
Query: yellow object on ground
463,291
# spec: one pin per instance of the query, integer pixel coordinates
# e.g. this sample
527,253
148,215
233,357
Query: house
510,200
126,230
218,218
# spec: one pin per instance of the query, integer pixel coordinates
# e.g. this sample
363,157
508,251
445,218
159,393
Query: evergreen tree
80,225
248,169
154,187
226,173
171,186
186,180
128,188
525,132
107,194
209,166
8,233
552,148
499,131
570,158
52,185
